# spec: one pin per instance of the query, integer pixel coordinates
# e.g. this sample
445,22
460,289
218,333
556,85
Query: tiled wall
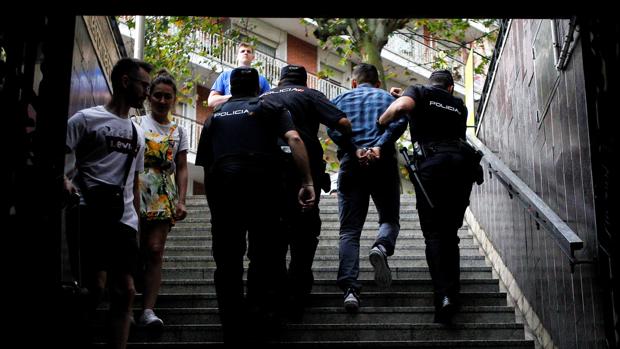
547,146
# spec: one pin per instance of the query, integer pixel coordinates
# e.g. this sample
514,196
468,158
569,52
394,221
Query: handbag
108,200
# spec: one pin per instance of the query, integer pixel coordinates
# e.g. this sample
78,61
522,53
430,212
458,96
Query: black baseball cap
294,73
244,81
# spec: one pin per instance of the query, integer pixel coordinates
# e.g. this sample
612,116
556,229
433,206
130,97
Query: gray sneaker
150,320
351,301
378,259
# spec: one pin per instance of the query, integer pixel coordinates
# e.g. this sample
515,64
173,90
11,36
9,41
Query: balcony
223,53
419,57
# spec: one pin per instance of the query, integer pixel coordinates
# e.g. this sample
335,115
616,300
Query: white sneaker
378,259
149,319
351,301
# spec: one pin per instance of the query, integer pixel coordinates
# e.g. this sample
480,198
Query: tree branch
327,27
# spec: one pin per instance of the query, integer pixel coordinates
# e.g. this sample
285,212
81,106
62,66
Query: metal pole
554,37
561,63
139,44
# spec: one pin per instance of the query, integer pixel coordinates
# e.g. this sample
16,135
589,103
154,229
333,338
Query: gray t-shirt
101,141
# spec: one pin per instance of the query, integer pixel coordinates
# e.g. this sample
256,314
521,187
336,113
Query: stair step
345,332
319,261
366,240
398,317
320,286
327,231
337,315
408,250
414,315
406,331
324,199
330,273
328,224
334,299
200,216
420,344
200,213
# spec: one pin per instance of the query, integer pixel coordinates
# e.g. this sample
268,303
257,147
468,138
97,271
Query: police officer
239,151
445,161
308,108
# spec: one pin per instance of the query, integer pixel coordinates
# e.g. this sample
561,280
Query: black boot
445,310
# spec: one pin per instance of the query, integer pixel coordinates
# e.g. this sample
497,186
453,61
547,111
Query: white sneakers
149,319
378,259
351,301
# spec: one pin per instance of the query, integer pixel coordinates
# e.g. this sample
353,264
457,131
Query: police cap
244,82
294,73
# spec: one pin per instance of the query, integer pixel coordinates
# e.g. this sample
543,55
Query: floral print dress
157,183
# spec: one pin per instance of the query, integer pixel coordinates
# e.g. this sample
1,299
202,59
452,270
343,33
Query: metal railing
193,129
568,241
224,52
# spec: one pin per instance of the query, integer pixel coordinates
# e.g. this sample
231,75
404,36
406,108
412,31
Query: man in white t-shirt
109,150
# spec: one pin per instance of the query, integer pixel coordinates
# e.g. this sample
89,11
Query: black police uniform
238,149
308,108
438,124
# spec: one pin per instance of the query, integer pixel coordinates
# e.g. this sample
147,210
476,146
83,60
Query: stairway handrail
544,215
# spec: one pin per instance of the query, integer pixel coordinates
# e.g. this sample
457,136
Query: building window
334,75
261,46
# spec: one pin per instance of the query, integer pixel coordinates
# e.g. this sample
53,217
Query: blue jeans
356,185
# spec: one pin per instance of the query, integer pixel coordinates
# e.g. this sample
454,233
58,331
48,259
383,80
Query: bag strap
132,154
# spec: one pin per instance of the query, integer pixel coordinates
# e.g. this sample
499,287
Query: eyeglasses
159,95
145,84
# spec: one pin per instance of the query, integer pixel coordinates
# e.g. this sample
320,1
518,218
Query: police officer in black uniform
447,167
308,108
239,152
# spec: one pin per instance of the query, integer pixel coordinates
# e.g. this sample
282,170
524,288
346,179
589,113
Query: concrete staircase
401,316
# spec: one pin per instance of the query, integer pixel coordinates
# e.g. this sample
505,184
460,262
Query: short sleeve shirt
152,129
222,84
102,142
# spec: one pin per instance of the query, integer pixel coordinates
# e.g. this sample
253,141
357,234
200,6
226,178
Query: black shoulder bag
108,200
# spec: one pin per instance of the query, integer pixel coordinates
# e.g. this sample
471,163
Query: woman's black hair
163,76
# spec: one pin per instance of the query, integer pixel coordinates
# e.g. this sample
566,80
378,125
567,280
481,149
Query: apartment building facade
408,57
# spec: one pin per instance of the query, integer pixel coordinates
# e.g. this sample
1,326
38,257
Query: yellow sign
469,91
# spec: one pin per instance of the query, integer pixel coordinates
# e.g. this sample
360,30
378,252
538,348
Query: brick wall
302,53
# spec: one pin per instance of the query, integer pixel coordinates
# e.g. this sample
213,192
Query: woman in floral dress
163,186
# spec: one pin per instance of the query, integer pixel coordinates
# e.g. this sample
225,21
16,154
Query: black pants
448,185
242,197
301,230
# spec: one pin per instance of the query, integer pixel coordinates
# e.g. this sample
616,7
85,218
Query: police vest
437,116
